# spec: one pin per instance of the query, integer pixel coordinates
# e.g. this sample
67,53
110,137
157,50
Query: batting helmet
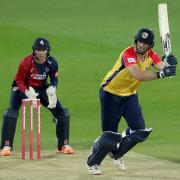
145,35
41,44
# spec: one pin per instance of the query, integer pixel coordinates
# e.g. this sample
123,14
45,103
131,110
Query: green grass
86,38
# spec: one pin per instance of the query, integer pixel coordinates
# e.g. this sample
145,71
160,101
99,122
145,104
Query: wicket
24,103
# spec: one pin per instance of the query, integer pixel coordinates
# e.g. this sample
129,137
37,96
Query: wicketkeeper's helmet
41,44
145,35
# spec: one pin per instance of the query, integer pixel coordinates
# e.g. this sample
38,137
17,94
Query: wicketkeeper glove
170,59
30,93
52,98
167,72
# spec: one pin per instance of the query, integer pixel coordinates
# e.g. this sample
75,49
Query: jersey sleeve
21,76
54,74
129,57
155,58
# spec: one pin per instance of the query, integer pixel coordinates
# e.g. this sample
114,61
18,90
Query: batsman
119,98
31,82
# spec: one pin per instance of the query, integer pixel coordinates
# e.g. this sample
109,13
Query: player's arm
147,76
51,90
21,77
141,75
163,70
129,60
166,66
160,66
53,74
169,60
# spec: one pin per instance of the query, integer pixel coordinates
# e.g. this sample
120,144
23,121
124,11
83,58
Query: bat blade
164,28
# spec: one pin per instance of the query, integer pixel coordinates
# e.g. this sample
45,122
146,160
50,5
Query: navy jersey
35,75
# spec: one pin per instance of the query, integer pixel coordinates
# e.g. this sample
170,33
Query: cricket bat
164,28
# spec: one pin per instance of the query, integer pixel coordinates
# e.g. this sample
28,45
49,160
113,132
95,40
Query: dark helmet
145,35
41,44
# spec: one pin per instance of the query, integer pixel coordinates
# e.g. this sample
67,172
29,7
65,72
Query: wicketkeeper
31,82
119,98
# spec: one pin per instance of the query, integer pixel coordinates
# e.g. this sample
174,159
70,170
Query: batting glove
167,72
170,59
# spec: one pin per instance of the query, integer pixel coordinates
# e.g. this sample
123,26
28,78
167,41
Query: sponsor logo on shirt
131,60
38,76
